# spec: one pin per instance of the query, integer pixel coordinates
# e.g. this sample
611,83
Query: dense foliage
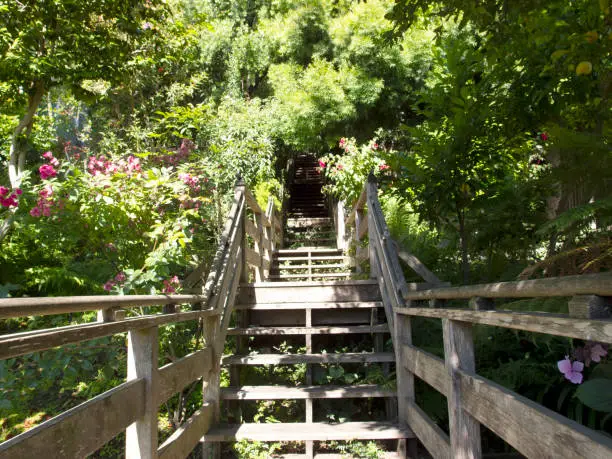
123,125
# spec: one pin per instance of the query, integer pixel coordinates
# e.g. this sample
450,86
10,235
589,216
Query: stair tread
320,305
322,249
299,276
317,330
301,431
311,284
328,258
280,267
290,359
304,392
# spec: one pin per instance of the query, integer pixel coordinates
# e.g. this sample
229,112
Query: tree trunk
18,155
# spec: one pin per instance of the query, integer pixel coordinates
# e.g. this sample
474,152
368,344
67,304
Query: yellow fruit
591,36
584,68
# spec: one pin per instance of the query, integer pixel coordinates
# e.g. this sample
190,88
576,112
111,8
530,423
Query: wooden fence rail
133,406
530,428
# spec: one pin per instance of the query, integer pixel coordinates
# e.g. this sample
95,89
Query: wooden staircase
310,303
319,314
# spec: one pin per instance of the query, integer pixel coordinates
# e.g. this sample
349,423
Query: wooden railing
133,406
533,430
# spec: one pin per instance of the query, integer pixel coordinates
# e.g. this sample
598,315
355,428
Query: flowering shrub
348,171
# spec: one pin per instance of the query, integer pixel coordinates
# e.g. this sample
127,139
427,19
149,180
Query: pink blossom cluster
189,204
8,199
171,285
191,181
45,202
120,278
102,166
384,167
181,154
322,164
73,151
583,356
47,171
342,143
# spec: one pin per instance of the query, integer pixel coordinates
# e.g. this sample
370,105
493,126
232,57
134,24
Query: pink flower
571,370
544,136
46,171
35,212
3,191
340,167
48,155
322,164
374,146
120,277
342,142
108,286
597,352
383,167
18,191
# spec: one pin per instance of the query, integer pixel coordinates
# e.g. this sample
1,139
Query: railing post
210,388
459,355
259,246
240,190
143,349
405,380
372,191
340,228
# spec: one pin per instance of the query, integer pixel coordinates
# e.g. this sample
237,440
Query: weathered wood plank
24,343
358,206
428,433
252,257
252,202
251,229
96,421
459,356
299,431
21,307
143,350
362,230
187,436
322,305
427,367
533,430
590,307
258,331
290,359
587,284
176,375
416,265
552,324
304,392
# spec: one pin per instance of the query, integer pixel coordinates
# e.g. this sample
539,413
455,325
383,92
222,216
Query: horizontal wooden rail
552,324
175,376
587,284
187,436
82,430
24,343
21,307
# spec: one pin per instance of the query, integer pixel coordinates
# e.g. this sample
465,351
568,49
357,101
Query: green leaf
603,370
596,394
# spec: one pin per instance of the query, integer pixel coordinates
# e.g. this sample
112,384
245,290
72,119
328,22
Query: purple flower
597,352
571,370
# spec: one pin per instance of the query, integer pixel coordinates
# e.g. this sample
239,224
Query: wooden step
304,392
302,222
300,306
301,431
327,258
315,292
380,455
258,331
318,252
308,276
292,359
332,266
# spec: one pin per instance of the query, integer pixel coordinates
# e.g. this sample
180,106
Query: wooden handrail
133,406
530,428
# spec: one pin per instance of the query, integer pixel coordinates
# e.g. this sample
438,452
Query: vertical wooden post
143,349
340,229
259,247
372,191
590,307
459,355
405,380
240,190
210,388
309,403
